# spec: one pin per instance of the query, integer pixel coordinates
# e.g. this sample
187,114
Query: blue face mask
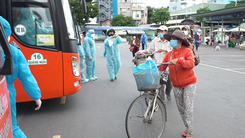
161,35
173,43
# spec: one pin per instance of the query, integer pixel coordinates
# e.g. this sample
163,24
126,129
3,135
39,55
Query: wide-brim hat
179,35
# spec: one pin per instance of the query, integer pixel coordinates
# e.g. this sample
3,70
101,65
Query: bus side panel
69,78
49,76
5,115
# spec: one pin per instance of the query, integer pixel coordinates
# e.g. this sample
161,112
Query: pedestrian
129,40
226,41
196,40
113,60
23,73
90,55
82,60
161,46
183,77
134,45
153,37
216,40
144,41
186,30
241,38
242,46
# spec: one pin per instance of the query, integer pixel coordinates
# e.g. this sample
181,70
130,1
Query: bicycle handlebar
165,63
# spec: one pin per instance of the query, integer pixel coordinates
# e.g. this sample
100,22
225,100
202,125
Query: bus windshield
171,30
69,19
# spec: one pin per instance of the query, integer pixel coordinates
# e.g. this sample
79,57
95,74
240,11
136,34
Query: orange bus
6,68
45,32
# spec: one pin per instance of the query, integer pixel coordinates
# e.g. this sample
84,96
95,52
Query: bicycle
147,115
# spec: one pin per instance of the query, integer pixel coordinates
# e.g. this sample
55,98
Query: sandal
184,133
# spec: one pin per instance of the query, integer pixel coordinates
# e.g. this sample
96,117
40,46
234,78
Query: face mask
185,32
161,35
173,43
8,39
93,35
110,34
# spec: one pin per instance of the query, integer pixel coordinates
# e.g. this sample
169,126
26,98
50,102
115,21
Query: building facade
174,6
108,10
135,9
189,3
125,7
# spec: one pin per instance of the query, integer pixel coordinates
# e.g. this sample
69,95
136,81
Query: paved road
99,109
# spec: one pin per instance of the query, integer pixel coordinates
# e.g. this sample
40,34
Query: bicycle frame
151,105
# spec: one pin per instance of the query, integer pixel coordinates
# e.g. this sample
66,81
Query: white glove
38,103
90,58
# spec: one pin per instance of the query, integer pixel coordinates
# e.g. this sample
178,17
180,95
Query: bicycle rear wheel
137,127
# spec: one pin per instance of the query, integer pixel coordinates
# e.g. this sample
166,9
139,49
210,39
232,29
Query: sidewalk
236,47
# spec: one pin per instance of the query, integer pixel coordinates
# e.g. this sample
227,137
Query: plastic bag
147,79
148,65
217,48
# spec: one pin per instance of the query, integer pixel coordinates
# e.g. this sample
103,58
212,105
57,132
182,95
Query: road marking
63,100
223,69
56,136
99,46
238,68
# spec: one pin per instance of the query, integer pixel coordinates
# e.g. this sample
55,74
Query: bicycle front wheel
139,127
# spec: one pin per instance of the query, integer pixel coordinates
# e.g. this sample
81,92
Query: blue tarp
99,28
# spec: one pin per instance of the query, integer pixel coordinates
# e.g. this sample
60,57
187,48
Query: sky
156,3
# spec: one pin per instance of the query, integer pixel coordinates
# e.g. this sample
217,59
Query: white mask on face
93,35
8,39
185,32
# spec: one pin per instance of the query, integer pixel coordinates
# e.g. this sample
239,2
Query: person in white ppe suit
23,73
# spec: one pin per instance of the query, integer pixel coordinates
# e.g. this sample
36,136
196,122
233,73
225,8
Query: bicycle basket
147,79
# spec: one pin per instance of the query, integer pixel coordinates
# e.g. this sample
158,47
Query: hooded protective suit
144,40
153,37
90,52
113,60
81,55
104,52
32,25
23,73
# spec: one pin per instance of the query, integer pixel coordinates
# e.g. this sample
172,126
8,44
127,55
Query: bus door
6,68
44,31
34,29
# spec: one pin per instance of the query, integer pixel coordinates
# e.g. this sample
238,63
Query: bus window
69,19
33,25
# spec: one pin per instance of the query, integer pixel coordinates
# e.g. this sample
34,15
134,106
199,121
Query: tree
232,3
160,16
92,11
149,14
202,10
121,20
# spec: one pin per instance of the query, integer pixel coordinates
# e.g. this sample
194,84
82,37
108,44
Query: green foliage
150,12
160,16
232,3
121,20
202,10
92,9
